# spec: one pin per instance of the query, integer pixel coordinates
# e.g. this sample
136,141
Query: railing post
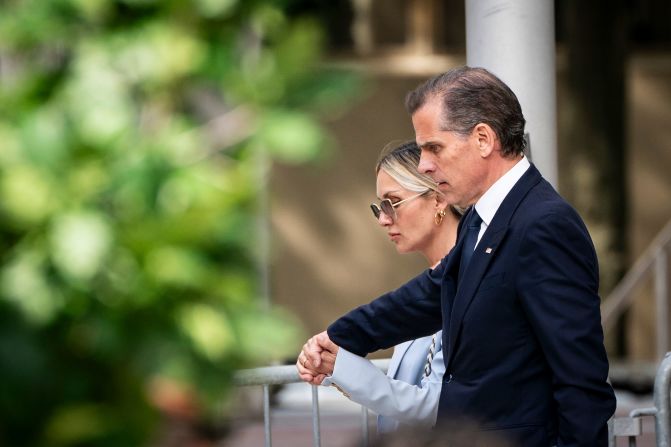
364,426
316,436
662,301
281,375
266,416
621,297
662,404
611,434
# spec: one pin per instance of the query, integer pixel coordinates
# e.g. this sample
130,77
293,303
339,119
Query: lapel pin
488,250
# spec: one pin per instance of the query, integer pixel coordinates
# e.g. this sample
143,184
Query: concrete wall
649,158
329,254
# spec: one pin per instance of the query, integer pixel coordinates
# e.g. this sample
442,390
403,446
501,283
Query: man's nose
425,165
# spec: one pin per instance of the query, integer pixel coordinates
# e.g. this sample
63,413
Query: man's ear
485,138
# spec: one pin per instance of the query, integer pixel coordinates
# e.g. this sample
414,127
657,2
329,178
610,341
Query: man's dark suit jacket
523,342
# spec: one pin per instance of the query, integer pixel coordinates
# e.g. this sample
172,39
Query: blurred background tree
134,135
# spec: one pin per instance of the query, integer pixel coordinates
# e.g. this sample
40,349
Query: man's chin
448,192
453,199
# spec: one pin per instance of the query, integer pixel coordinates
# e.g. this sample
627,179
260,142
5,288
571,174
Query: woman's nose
384,220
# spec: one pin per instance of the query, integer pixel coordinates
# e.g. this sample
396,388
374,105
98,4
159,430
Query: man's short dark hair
471,96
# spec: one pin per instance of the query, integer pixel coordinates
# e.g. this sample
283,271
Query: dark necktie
471,238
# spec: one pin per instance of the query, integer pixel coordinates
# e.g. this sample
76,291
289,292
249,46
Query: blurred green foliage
133,135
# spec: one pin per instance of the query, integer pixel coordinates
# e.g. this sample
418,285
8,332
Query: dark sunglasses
388,207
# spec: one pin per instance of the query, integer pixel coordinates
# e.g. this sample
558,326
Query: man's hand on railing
317,359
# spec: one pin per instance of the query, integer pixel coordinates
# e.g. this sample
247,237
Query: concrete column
515,40
422,26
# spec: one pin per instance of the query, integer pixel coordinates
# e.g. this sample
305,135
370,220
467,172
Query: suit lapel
399,353
485,251
468,285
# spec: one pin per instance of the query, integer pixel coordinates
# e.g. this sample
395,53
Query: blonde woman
416,218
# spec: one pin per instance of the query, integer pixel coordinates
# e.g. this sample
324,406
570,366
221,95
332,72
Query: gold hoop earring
438,218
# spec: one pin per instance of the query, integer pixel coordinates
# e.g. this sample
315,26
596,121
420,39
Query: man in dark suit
517,297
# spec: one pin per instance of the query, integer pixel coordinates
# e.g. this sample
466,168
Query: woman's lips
394,236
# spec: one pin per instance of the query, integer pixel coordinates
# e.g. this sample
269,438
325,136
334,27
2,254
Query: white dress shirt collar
491,200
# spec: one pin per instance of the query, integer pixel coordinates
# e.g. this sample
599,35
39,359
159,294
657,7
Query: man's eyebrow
429,143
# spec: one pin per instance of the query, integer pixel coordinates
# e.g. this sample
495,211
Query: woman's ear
439,201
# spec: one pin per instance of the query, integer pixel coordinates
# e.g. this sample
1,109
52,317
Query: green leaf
24,283
291,137
208,329
80,242
256,328
75,424
27,194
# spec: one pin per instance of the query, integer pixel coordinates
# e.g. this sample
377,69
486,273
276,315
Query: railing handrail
281,375
285,374
621,297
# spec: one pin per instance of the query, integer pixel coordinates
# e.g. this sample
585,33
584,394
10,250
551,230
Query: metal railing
631,426
655,260
282,375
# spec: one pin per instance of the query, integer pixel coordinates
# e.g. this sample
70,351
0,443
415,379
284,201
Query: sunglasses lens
375,209
388,209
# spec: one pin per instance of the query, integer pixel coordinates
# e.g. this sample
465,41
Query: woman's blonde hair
400,161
